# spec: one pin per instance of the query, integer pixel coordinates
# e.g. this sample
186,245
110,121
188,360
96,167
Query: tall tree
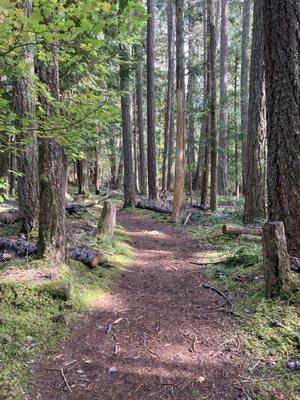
245,83
129,194
52,169
222,156
27,161
151,148
180,100
191,92
282,30
256,137
169,97
140,123
82,176
213,103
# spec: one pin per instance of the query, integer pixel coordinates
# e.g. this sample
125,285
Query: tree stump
276,258
107,221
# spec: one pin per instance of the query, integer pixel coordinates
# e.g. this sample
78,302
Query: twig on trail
229,302
146,347
65,379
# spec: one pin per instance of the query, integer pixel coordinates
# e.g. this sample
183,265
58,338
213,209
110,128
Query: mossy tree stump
276,259
107,221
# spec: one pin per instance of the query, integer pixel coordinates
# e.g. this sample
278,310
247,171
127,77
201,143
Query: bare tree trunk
180,99
206,157
27,161
151,149
222,159
140,126
129,195
213,104
191,86
52,173
97,167
169,98
112,157
236,143
255,202
82,176
282,30
245,85
170,177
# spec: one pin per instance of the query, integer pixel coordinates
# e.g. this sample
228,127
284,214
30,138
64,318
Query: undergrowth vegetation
33,321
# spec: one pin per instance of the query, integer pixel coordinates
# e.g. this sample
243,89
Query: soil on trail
158,334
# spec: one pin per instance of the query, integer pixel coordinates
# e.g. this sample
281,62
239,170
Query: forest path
168,331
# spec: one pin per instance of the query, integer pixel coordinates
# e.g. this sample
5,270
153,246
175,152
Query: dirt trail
171,331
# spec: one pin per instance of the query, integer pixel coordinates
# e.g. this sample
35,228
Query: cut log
276,258
89,257
250,238
153,206
239,230
107,221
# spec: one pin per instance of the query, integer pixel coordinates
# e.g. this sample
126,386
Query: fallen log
89,257
153,206
238,230
197,204
74,208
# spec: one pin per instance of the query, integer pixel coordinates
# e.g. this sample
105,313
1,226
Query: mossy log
107,221
240,230
276,258
153,206
89,257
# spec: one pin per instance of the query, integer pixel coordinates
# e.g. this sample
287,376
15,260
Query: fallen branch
209,262
229,302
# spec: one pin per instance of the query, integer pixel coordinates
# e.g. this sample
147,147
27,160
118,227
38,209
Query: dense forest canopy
174,106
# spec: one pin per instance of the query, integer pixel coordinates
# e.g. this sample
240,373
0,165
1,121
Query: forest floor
148,329
157,335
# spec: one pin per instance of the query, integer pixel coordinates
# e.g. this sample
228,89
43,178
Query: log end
96,260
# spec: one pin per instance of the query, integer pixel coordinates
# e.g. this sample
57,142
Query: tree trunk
255,207
180,100
282,30
191,95
276,259
129,195
107,221
151,149
222,159
245,85
236,142
206,157
52,173
167,155
82,177
140,126
27,161
213,103
112,157
97,172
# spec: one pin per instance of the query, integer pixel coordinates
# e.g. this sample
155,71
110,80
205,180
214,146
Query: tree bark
140,126
276,259
236,143
169,113
107,221
52,172
82,176
213,103
245,84
129,194
180,100
27,161
282,30
255,201
151,148
222,158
